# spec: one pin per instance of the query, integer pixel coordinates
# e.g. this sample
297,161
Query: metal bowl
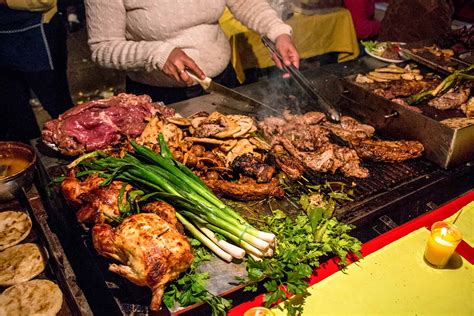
11,186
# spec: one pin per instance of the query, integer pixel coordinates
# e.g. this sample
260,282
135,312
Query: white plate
387,60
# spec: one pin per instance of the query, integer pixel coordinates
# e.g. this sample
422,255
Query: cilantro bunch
303,242
190,287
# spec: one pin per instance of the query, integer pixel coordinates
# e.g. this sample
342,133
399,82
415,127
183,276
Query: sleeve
31,5
260,17
106,25
364,24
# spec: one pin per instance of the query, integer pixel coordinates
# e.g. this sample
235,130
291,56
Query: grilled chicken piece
389,151
163,210
151,251
246,189
249,165
450,100
98,204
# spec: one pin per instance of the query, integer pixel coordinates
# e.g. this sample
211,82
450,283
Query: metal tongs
326,106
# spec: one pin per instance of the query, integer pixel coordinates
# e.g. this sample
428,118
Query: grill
390,196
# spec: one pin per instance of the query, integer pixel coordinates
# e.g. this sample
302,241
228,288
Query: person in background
362,12
415,20
157,42
33,57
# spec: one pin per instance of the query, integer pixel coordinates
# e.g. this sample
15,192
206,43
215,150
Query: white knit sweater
138,35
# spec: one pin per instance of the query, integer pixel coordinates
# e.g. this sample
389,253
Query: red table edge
330,267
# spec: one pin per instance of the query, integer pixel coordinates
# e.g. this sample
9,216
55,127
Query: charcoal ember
249,165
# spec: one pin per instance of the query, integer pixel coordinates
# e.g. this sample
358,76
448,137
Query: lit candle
443,241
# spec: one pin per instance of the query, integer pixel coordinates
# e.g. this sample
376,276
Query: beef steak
97,124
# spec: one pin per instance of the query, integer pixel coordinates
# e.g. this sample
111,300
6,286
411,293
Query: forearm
29,5
259,16
130,55
106,24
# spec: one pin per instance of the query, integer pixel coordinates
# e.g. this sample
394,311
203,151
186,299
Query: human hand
288,52
177,63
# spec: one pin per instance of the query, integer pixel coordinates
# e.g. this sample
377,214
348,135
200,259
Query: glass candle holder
259,311
441,244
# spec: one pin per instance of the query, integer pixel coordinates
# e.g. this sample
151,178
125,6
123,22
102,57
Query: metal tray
445,146
58,268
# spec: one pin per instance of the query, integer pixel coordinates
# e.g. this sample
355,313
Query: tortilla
458,122
14,227
35,297
384,75
20,263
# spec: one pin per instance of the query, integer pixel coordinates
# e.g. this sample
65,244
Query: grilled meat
402,88
407,106
308,118
245,189
249,165
389,151
328,158
290,166
151,251
450,100
306,137
97,204
350,129
97,124
468,108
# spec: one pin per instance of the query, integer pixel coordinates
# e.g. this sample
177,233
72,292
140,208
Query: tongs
326,106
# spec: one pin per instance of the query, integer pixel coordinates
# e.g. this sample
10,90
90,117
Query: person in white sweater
155,41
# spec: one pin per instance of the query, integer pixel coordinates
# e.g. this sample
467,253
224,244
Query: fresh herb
190,287
303,241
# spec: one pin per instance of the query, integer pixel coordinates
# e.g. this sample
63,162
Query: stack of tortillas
19,263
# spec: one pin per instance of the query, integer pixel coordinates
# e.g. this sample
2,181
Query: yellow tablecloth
395,280
313,35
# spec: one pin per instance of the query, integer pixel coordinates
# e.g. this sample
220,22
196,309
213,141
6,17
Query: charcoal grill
392,195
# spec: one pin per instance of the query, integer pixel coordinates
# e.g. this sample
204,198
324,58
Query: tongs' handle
325,105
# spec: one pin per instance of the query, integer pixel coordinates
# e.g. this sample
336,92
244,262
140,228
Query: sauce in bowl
12,165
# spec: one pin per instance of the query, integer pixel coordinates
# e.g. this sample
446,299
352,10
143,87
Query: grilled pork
245,189
450,100
389,151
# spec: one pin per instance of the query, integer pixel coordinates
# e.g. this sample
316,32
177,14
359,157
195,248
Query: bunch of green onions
205,216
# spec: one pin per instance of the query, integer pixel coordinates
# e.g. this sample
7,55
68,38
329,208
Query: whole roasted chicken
151,251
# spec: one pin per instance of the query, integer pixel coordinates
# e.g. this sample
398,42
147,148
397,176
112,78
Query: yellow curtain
313,35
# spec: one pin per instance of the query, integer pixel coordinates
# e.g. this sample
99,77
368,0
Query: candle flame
444,231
